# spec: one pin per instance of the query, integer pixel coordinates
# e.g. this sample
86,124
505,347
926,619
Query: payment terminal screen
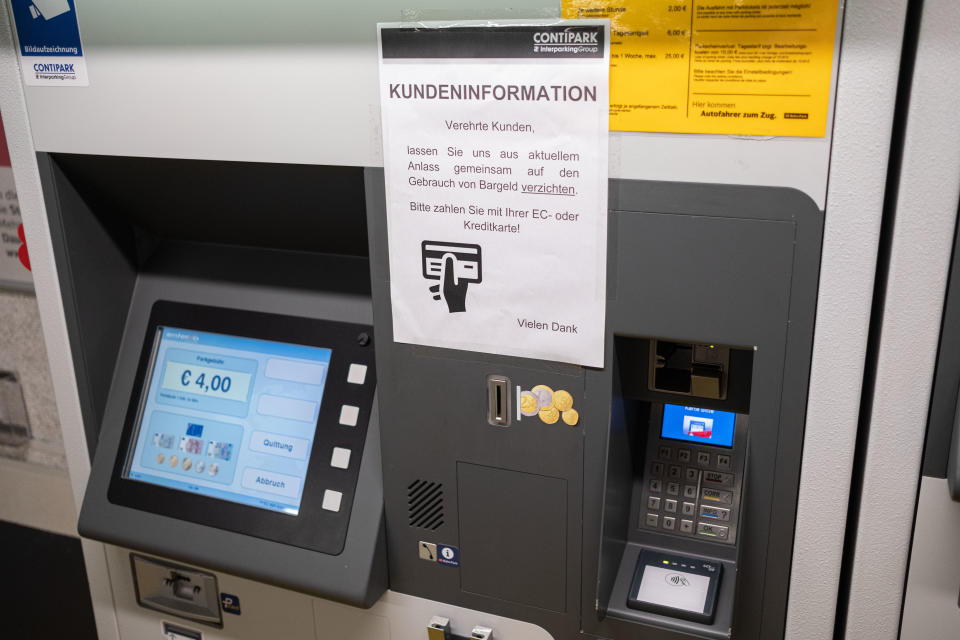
701,426
229,417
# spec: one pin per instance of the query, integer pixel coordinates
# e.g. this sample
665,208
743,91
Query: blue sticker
448,555
47,28
230,603
49,38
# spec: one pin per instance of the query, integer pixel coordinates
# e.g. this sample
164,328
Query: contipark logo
567,41
53,68
54,71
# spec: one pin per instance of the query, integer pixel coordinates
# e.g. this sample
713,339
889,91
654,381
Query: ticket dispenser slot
684,459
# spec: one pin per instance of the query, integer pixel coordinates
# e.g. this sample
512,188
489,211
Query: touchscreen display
701,426
229,417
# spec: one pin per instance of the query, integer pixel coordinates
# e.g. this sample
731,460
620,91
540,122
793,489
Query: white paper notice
495,156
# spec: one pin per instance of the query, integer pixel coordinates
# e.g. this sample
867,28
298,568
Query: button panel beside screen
700,426
229,417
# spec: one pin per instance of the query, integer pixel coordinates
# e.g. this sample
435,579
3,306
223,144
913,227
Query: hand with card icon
452,289
455,265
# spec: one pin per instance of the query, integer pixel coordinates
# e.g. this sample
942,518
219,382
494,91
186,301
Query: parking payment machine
269,457
239,421
653,503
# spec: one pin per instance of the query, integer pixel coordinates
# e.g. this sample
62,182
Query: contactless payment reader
674,585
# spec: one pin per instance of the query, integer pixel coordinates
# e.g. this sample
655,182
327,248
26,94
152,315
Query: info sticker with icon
448,555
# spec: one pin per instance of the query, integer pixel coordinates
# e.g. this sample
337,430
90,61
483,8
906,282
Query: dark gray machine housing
541,513
941,455
281,239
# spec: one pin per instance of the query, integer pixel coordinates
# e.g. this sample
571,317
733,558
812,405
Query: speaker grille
425,504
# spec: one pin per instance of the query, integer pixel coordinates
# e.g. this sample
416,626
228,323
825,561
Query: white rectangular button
289,408
331,500
279,445
340,458
270,482
357,373
296,371
349,415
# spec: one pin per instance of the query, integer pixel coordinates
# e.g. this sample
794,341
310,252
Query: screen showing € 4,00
702,426
229,417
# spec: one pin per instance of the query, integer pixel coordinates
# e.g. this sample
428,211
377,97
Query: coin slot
498,400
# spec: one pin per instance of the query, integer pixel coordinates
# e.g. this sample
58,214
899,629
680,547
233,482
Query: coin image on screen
529,404
544,396
550,415
161,458
187,463
174,461
213,469
562,400
199,467
571,417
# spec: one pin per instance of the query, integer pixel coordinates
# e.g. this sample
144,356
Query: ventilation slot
425,504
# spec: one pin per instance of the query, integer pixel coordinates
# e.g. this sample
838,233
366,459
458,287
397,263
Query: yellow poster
717,66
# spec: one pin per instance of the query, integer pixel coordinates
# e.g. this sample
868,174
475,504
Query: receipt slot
227,372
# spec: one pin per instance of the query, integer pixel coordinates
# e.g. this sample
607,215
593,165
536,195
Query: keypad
691,492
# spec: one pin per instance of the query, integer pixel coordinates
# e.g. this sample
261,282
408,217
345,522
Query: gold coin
529,404
571,417
550,416
186,464
174,460
562,400
544,396
161,458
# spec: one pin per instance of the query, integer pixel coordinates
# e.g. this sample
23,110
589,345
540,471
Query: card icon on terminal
697,426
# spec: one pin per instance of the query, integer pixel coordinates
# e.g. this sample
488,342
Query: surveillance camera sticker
51,53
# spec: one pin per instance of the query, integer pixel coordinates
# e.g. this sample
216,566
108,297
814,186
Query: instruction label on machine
495,157
51,53
720,66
